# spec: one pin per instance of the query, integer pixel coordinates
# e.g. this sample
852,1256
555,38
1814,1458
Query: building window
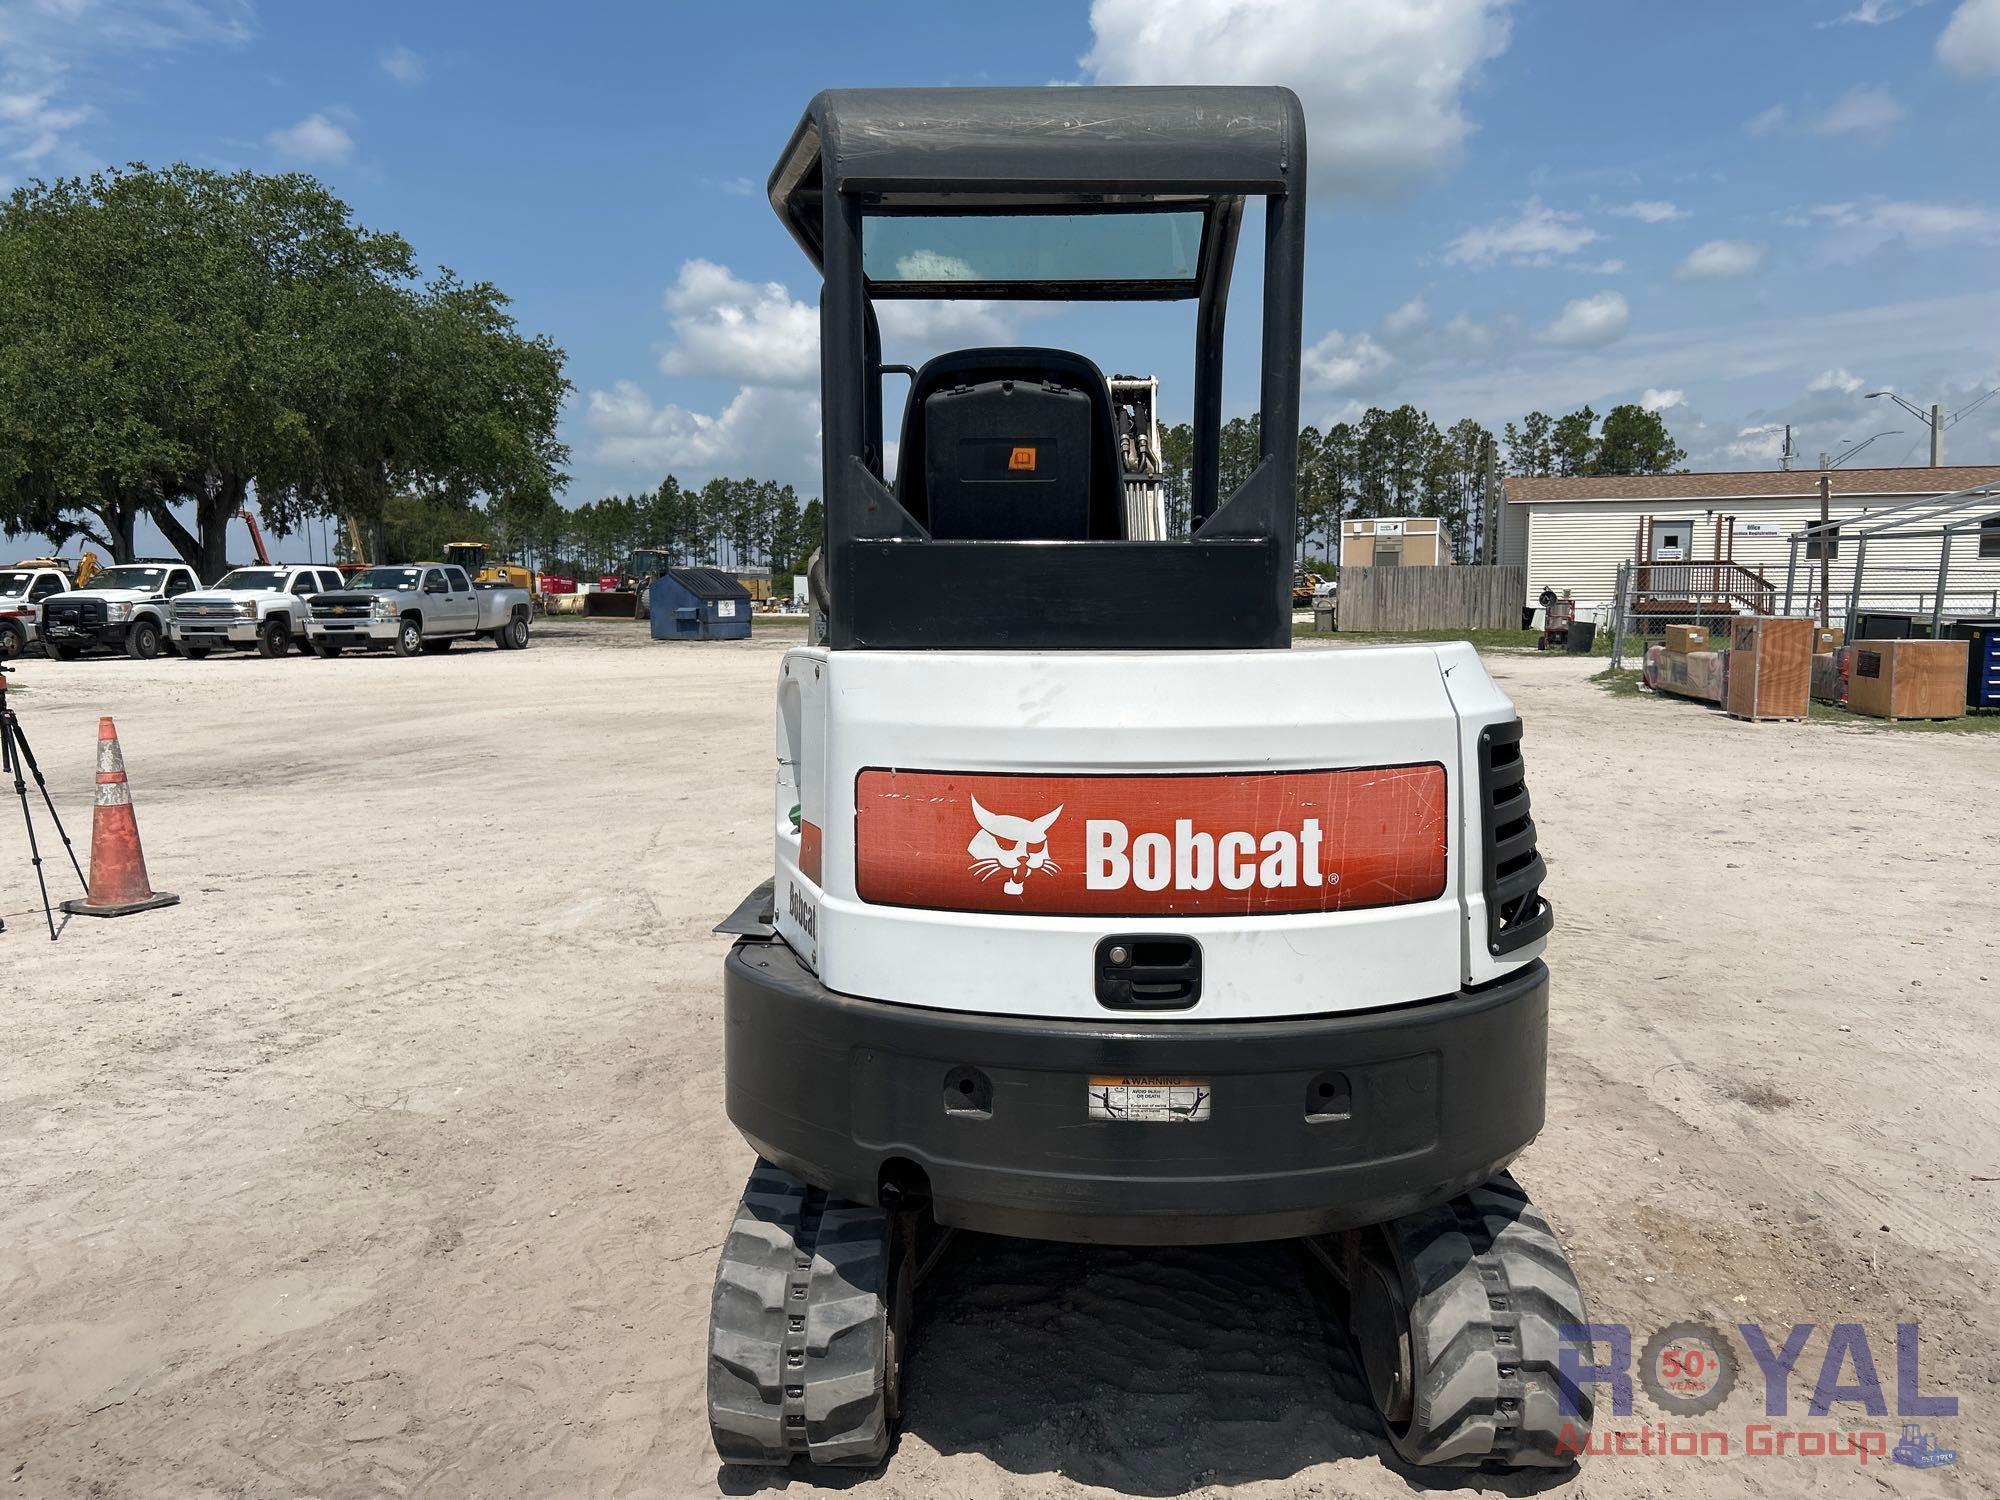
1825,544
1989,537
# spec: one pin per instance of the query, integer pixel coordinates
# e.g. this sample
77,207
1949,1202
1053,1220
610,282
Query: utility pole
1491,502
1934,419
1825,544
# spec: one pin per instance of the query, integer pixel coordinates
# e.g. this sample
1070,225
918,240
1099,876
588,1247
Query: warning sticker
1166,1100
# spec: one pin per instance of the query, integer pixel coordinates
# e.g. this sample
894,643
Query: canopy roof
1039,147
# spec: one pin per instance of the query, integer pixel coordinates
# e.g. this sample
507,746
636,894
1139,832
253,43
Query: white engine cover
1168,713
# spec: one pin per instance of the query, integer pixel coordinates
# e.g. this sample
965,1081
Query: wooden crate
1827,638
1913,679
1770,669
1685,638
1829,677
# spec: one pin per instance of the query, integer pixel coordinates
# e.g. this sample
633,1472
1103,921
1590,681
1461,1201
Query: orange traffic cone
117,865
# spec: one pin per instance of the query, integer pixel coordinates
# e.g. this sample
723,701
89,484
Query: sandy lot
393,1160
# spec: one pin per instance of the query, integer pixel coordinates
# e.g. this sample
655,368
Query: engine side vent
1516,913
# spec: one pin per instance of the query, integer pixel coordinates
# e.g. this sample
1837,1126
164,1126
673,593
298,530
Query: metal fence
1454,598
1861,597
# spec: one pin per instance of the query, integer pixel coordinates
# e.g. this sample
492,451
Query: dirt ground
393,1160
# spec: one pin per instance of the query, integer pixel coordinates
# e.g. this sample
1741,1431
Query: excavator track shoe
1457,1313
802,1337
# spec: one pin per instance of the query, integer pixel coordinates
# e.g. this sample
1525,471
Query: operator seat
1012,445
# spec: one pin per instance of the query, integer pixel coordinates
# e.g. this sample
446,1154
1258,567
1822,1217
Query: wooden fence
1432,598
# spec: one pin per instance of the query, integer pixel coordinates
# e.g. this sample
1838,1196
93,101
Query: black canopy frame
883,582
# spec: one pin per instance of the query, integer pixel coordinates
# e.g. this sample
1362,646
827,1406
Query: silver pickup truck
413,607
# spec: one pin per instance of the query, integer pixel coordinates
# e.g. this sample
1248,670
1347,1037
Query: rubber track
796,1328
1491,1290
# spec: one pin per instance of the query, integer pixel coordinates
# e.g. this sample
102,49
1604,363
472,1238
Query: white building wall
1578,545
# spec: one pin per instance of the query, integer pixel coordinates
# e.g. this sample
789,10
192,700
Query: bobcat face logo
1014,847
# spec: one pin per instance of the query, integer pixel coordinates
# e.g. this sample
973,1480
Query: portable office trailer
1394,542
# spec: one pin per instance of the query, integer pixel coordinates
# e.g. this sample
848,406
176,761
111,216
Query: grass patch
1972,723
1498,641
1625,682
1483,640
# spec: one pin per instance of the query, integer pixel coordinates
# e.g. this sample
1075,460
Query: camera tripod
16,756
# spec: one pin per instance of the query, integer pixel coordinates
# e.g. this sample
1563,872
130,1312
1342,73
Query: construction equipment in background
628,600
256,537
472,556
1135,404
78,572
357,561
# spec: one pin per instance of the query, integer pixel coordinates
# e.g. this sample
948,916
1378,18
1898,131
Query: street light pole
1934,419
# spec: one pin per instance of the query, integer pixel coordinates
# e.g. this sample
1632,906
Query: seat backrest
1011,445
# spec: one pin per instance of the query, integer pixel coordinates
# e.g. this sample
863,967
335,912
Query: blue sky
1744,214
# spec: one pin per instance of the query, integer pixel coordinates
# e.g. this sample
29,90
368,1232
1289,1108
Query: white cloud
1720,258
739,187
403,65
1382,81
317,140
930,326
758,333
934,265
1408,318
1339,362
1533,238
1970,42
1589,322
1651,211
1762,444
1864,227
1767,121
1596,267
1658,400
1874,13
763,431
1862,111
1464,331
54,54
1838,379
753,333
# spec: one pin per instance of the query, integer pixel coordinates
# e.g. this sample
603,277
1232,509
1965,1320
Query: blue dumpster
699,604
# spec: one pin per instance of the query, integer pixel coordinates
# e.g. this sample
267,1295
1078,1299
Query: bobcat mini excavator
1098,913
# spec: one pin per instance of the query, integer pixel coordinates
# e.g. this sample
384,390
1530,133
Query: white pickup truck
413,607
22,590
264,609
122,608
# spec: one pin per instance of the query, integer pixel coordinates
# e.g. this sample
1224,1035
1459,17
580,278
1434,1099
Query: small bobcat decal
1015,847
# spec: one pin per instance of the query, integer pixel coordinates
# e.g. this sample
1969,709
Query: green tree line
174,341
728,522
1401,463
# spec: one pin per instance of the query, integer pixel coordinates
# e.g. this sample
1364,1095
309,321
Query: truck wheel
410,636
194,653
513,636
437,648
274,637
327,650
13,640
66,653
142,641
